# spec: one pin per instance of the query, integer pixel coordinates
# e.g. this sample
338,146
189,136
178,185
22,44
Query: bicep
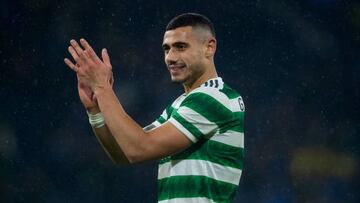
165,140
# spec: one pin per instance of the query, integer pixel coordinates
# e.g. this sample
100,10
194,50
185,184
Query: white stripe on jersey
215,94
182,129
232,138
156,123
178,101
200,122
188,200
209,169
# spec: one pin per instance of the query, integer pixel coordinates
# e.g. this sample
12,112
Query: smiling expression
184,54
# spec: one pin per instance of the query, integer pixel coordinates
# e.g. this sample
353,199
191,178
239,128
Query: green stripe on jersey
161,120
212,151
229,92
169,111
189,126
195,186
165,115
235,124
214,111
207,106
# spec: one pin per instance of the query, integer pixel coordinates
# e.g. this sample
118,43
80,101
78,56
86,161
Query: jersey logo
241,103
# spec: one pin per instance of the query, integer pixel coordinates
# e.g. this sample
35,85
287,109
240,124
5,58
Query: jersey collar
214,82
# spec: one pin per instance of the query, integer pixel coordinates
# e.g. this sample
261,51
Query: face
184,54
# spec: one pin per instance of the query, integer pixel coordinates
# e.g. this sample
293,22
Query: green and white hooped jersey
212,117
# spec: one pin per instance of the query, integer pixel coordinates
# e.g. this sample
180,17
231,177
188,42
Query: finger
112,79
88,48
76,46
74,54
70,64
94,99
86,53
105,57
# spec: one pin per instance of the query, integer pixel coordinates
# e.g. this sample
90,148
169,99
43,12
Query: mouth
176,69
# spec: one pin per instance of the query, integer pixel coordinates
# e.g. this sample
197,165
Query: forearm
105,138
127,133
110,145
92,72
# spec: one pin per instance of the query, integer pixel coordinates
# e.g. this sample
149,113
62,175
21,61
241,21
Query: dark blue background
296,64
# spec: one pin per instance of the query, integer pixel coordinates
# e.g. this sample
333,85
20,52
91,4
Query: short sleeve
159,121
200,116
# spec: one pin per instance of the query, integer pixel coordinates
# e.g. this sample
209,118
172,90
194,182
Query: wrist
93,110
99,89
96,120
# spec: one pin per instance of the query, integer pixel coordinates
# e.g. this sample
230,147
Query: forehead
181,34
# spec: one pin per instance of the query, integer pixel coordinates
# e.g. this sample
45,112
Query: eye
181,47
166,49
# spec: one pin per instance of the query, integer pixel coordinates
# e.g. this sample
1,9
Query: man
198,138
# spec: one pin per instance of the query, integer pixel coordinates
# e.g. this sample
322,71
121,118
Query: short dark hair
193,20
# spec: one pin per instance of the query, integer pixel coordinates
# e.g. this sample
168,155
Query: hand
88,99
92,72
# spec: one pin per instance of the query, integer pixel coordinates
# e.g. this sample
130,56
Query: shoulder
217,92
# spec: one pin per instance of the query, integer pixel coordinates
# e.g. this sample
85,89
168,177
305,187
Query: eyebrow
165,46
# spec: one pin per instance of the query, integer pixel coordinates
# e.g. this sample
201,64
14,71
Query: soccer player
199,138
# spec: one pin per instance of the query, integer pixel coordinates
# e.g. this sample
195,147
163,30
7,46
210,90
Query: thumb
105,57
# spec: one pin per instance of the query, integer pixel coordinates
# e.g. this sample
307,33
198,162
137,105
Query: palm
86,96
84,59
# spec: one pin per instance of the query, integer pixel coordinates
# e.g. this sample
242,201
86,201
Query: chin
177,79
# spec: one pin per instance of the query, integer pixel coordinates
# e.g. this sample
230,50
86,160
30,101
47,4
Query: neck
207,75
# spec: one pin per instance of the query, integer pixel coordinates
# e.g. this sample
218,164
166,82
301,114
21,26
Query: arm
136,144
108,143
102,134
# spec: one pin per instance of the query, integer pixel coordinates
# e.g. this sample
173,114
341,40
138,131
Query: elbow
135,158
139,151
119,159
121,162
137,155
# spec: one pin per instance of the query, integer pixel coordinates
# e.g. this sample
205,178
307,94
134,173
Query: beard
178,80
187,77
188,73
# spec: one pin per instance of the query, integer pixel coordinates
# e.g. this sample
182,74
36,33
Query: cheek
190,58
195,60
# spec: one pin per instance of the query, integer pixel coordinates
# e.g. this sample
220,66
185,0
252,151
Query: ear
210,47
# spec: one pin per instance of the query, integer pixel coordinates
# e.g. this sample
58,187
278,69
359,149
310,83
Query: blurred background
296,64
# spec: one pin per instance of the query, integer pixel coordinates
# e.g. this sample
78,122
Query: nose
171,57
